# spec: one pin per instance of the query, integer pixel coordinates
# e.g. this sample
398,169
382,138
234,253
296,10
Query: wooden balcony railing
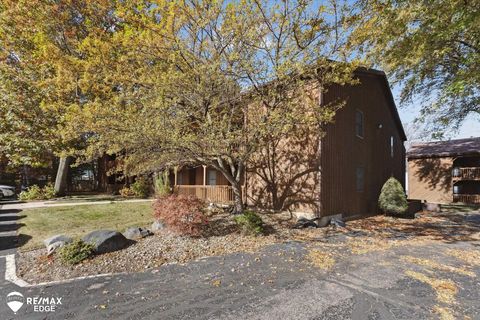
213,194
467,198
466,173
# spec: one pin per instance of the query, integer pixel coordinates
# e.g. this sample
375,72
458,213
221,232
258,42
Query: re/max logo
44,300
44,304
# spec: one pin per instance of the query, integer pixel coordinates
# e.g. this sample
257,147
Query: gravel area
164,247
154,251
222,237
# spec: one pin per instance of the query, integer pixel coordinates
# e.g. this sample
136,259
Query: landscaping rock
338,223
55,242
305,223
136,233
106,240
157,225
433,207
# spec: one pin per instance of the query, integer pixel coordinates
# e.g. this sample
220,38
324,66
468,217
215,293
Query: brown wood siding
332,189
342,151
199,176
286,177
430,179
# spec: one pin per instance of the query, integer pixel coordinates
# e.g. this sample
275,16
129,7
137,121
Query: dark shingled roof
449,148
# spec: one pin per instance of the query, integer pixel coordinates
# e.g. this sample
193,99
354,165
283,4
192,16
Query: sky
470,128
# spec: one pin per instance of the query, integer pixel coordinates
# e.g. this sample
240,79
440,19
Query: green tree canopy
211,82
170,82
432,48
41,65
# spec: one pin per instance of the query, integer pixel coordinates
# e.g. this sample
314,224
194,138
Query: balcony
213,194
471,173
467,198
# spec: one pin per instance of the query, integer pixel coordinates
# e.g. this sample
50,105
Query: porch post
175,169
204,175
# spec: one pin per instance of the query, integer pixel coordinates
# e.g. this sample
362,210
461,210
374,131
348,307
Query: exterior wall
342,151
286,175
305,173
430,179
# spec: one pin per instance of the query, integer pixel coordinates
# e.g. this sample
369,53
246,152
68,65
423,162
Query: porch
467,198
211,194
466,191
466,173
204,183
466,168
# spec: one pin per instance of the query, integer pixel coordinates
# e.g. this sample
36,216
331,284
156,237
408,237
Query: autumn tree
431,48
41,62
175,82
210,82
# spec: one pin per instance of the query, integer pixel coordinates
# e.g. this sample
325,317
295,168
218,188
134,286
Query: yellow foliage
444,288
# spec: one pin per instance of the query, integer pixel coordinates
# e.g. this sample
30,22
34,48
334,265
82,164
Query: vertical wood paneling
342,151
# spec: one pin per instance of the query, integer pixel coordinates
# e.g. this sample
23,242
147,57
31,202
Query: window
360,177
180,178
456,189
359,123
211,177
391,146
456,172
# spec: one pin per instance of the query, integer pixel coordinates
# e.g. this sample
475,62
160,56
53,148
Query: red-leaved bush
181,214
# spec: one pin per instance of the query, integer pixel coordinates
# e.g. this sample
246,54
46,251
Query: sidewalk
18,205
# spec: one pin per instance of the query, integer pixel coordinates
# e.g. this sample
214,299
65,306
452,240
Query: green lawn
76,221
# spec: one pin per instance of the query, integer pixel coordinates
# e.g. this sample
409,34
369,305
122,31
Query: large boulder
136,233
106,240
56,242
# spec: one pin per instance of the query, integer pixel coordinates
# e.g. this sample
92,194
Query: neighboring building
341,173
445,171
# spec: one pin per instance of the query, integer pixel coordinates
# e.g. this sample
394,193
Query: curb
10,272
11,275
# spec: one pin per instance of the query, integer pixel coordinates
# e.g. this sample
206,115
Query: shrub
250,223
392,198
126,192
48,192
181,214
162,186
76,252
32,193
141,187
36,193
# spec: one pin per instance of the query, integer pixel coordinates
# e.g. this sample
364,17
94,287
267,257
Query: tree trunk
237,196
61,179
